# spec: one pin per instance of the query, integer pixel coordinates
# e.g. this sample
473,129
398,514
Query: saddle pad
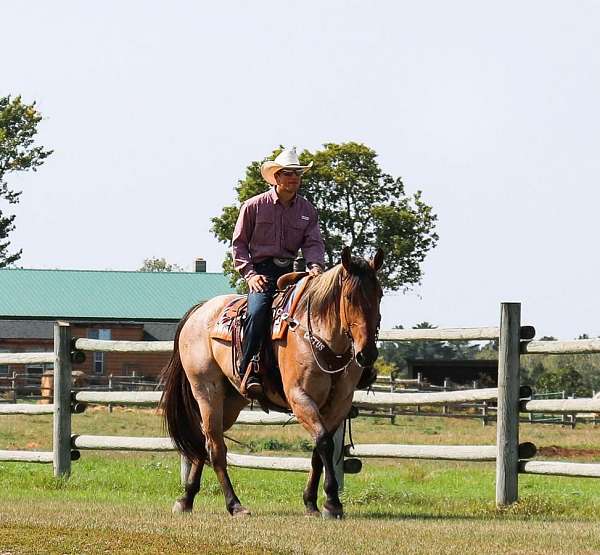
223,327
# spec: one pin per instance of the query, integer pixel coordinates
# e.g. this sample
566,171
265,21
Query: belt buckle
282,262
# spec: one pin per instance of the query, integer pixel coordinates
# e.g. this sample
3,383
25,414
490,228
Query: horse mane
325,290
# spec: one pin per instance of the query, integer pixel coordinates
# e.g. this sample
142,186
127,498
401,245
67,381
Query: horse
200,403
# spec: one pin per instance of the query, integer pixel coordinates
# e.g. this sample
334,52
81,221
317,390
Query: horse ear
378,260
346,258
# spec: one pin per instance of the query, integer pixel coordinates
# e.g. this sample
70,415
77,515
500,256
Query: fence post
184,469
14,385
392,389
445,407
110,377
62,399
507,443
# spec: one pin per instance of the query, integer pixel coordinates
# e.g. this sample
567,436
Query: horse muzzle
367,356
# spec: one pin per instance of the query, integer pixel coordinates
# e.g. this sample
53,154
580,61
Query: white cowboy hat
287,158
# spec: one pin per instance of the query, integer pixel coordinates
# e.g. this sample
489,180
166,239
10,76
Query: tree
159,265
359,205
575,373
568,380
18,127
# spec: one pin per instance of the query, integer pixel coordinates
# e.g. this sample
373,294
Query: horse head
359,304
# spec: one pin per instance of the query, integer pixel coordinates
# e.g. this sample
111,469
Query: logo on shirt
305,217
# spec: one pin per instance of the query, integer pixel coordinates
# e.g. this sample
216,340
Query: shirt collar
273,196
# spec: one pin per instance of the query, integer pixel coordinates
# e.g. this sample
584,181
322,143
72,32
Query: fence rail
106,346
25,408
451,334
561,405
26,358
577,346
555,468
27,456
379,399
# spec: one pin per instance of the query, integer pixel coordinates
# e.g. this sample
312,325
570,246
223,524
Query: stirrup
251,387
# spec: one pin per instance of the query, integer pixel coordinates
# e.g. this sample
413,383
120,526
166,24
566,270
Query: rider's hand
257,283
315,270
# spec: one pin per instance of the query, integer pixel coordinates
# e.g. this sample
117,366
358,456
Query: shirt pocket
264,230
294,234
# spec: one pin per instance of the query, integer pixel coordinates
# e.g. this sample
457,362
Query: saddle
229,323
229,327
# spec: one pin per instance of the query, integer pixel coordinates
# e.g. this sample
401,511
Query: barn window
103,334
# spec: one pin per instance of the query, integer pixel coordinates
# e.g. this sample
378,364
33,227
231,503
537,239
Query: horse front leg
311,491
332,508
308,414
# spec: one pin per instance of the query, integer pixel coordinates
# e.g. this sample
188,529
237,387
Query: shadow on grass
531,508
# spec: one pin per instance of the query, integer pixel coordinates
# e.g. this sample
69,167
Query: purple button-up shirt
266,228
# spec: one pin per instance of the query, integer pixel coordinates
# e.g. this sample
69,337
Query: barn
120,305
459,372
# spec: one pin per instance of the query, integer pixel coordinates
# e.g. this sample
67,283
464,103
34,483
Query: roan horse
200,403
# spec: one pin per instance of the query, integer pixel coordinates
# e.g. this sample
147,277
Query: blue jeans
257,323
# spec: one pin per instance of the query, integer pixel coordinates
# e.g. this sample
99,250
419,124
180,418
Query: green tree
546,371
358,204
18,127
562,379
159,265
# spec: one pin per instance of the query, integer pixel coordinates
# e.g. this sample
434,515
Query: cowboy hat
287,159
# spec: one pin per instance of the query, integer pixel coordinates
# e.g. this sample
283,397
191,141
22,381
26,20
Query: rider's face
288,180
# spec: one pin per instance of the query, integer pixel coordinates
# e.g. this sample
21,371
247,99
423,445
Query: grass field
120,502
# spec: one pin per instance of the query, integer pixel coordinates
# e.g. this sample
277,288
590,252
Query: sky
154,109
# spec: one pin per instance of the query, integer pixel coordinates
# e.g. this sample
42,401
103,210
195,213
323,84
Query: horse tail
181,415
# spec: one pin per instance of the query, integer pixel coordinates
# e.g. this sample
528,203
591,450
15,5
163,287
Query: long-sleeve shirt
266,228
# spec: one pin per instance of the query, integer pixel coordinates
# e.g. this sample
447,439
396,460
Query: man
270,229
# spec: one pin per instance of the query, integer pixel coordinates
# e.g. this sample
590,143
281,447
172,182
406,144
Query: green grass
120,502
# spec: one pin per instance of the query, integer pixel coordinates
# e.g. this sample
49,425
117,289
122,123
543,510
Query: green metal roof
105,294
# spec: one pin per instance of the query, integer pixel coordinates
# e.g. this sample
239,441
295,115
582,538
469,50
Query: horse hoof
180,508
332,515
312,513
240,512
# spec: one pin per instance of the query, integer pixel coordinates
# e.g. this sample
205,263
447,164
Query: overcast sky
154,109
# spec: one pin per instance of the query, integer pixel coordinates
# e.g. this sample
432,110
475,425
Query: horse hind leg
212,423
185,503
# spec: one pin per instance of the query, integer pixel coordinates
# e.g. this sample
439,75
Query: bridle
315,342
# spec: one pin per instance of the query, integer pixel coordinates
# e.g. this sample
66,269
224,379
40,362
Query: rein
333,359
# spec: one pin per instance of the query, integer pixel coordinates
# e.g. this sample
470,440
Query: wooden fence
510,456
